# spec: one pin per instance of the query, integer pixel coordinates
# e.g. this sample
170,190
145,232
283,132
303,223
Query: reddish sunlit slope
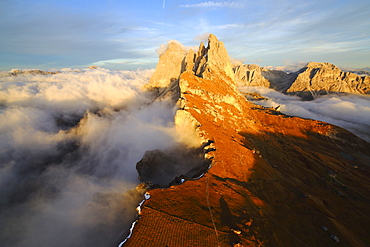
275,180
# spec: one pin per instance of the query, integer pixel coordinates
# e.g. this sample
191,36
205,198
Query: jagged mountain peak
213,62
208,62
315,79
325,78
274,180
212,38
320,65
218,59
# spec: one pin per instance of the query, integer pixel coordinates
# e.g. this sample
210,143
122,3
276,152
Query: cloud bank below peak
69,143
351,112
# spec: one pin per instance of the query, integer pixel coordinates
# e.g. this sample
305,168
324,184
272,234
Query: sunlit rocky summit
325,78
273,179
313,80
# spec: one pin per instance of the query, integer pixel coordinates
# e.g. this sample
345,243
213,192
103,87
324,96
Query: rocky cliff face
274,180
205,63
165,78
323,78
250,75
279,80
312,80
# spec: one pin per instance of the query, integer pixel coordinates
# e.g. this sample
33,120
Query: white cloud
289,66
69,143
226,4
202,37
163,47
351,112
46,36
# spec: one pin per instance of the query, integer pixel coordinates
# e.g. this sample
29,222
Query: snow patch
138,209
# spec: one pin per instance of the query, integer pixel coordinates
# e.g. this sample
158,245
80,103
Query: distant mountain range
312,80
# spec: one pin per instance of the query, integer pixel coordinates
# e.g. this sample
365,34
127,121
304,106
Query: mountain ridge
274,180
315,79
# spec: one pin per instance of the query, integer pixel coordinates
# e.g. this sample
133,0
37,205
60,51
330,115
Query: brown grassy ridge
275,180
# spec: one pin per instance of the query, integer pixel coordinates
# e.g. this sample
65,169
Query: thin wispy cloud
227,4
52,35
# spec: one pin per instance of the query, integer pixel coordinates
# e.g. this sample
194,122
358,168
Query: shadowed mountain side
160,168
275,180
279,80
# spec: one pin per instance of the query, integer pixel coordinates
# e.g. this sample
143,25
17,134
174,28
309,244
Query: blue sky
120,34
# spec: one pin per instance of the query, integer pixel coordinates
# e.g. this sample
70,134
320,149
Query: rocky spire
214,61
208,62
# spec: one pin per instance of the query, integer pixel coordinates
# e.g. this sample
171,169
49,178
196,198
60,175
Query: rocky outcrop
207,63
16,72
250,75
312,80
161,168
324,78
279,80
166,75
274,180
215,61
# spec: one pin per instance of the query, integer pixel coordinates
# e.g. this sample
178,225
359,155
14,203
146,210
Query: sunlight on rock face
186,129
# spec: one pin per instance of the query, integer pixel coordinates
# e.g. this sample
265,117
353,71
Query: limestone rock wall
279,80
167,72
312,80
323,78
208,62
250,75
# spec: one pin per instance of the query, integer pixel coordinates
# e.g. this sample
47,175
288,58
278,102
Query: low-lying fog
351,111
69,143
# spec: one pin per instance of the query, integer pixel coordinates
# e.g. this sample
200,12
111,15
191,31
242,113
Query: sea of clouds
69,143
351,111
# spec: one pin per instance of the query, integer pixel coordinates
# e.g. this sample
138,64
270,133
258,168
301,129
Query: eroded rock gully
274,180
